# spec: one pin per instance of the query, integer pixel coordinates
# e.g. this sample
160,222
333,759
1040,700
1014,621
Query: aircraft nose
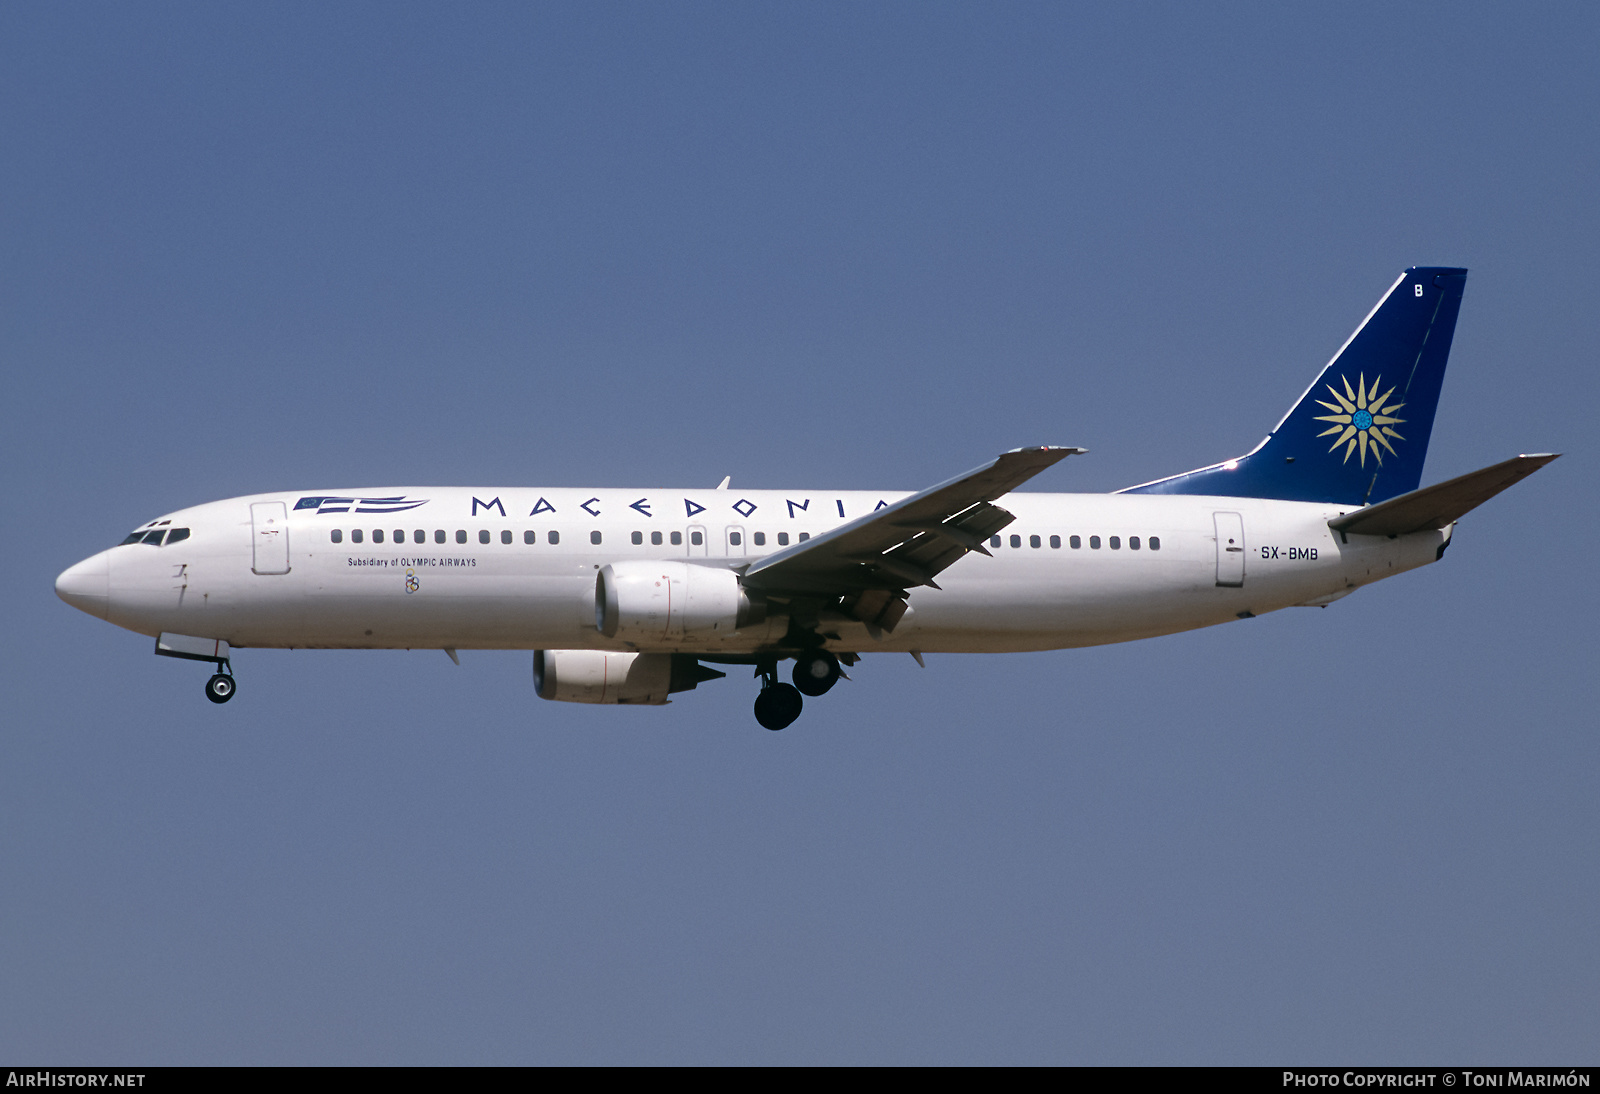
86,585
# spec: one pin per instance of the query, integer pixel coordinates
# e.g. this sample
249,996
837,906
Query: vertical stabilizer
1360,433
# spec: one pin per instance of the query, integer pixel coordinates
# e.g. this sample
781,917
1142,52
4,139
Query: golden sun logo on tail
1362,419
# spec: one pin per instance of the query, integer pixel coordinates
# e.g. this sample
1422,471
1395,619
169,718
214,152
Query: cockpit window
154,536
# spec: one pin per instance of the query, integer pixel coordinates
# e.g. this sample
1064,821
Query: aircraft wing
1438,505
872,560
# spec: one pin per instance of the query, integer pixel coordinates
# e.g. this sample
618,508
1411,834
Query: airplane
629,596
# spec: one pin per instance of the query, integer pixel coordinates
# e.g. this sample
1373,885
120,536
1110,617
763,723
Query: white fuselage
497,581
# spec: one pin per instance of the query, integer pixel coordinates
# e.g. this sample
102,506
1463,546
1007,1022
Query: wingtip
1064,449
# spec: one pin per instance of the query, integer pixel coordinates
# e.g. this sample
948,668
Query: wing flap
906,544
1436,506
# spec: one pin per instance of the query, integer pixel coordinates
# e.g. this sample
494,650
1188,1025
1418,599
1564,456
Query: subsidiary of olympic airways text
397,563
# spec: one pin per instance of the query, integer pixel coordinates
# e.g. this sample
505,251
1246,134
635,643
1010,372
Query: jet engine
595,676
650,602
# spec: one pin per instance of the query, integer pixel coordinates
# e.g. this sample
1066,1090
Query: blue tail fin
1359,435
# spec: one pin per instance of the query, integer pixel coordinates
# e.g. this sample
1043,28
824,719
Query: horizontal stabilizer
1436,506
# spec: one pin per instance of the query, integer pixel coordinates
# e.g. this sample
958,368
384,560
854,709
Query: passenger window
994,541
438,535
655,539
483,535
1133,543
1155,543
783,539
594,537
377,535
1055,541
804,536
677,539
735,538
1016,541
638,538
1034,541
760,538
419,536
1116,543
337,535
1094,542
505,535
554,538
355,535
695,538
461,535
530,538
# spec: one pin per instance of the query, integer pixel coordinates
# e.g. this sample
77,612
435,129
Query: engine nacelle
595,676
656,602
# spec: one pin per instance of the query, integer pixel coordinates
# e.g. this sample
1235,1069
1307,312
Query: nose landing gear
220,688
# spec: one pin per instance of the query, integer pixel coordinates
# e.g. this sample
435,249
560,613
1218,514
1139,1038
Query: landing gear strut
220,688
778,705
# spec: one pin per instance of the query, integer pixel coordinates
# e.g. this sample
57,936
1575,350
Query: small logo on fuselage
359,505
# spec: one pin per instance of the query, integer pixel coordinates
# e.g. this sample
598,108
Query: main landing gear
815,671
220,688
778,705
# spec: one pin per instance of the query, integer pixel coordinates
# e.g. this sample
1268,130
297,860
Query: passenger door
1230,549
269,533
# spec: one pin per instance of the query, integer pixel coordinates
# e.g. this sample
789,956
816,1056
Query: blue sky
249,248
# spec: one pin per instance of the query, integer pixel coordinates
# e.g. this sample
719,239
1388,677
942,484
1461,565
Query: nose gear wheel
220,688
